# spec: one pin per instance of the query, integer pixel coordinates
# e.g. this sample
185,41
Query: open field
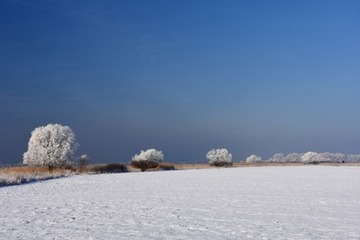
305,202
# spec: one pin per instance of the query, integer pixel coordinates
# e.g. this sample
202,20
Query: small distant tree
316,158
278,157
253,159
293,158
332,157
147,159
311,158
354,158
83,161
52,145
219,157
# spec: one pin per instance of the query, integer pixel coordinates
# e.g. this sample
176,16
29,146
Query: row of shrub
307,158
54,145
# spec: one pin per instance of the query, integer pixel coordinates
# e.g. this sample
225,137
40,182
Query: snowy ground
310,202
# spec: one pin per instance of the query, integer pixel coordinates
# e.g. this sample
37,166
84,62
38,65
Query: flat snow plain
309,202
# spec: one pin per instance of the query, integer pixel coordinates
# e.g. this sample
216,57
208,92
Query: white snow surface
309,202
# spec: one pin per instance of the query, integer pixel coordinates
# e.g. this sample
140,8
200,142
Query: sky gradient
255,77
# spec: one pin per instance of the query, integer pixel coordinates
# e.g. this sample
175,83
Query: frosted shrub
332,157
147,159
53,145
293,158
310,158
253,159
353,158
83,161
313,157
219,157
290,158
278,157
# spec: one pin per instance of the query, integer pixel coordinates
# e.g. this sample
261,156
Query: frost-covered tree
293,158
313,157
52,145
219,157
253,159
147,159
353,158
83,160
332,157
310,157
278,157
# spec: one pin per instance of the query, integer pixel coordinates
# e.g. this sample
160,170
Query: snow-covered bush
293,158
83,160
314,157
219,157
354,158
282,158
278,157
310,157
52,145
147,159
108,168
253,159
332,157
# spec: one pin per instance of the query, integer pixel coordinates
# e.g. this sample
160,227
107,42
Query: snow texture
308,202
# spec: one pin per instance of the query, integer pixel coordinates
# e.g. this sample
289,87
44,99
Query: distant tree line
54,145
307,158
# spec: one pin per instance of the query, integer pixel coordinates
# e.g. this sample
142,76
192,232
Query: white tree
278,157
83,160
293,157
353,158
52,145
332,157
147,159
219,157
253,159
311,157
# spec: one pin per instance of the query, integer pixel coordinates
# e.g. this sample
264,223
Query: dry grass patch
28,169
25,174
186,166
165,167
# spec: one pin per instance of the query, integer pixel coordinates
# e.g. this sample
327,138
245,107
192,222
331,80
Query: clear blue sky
183,76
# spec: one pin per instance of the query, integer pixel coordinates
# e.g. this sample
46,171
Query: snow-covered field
309,202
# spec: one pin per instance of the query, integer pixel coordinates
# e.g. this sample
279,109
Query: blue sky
255,77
